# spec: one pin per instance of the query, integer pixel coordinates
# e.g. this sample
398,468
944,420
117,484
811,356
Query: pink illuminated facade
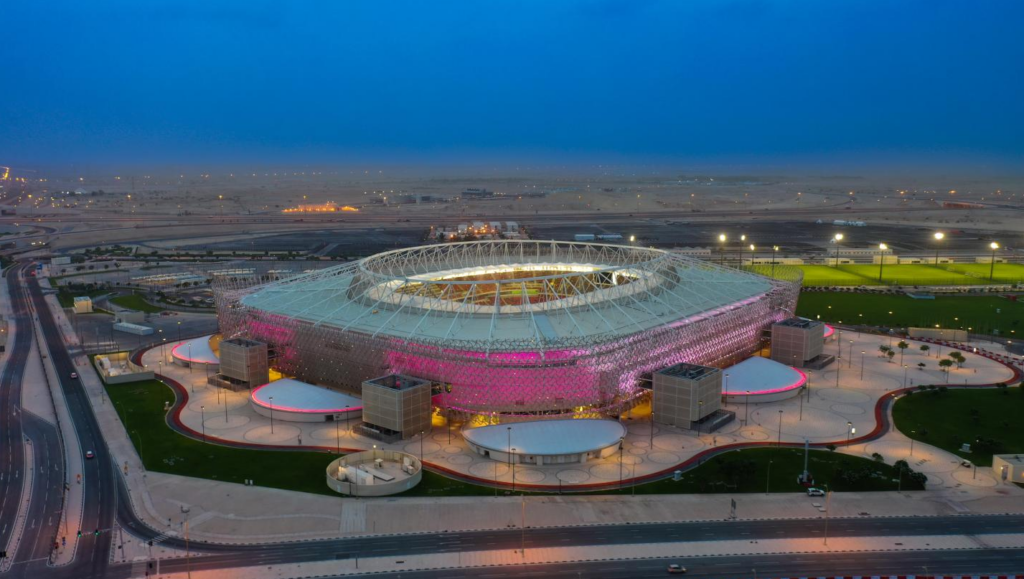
510,327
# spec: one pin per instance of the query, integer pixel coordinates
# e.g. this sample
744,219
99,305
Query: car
966,463
676,569
74,375
89,454
815,492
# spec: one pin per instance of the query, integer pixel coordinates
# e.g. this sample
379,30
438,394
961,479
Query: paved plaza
838,405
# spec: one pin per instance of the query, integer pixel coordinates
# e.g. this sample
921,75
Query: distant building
83,305
474,193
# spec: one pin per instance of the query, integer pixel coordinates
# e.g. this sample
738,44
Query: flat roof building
396,407
689,396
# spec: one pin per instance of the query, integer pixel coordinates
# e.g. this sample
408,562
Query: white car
676,569
815,492
74,375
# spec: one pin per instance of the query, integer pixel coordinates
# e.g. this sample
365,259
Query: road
100,493
308,551
43,515
988,561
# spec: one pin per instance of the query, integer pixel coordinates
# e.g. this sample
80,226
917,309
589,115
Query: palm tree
903,347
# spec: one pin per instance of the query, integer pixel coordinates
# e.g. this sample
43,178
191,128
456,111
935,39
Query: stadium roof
483,294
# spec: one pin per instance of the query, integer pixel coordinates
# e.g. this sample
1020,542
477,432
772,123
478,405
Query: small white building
547,441
1008,467
83,305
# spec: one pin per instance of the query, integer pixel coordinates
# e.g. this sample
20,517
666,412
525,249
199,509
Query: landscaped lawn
67,298
136,302
908,274
949,419
983,314
140,406
746,471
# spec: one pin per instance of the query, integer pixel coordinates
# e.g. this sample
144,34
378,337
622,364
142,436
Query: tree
877,457
901,466
925,348
884,349
920,365
945,365
903,348
831,447
890,354
958,358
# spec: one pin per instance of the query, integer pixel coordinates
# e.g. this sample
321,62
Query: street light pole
746,409
881,258
938,237
780,428
992,267
775,248
768,484
862,365
271,415
202,409
837,238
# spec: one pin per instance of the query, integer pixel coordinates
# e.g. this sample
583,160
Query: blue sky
830,83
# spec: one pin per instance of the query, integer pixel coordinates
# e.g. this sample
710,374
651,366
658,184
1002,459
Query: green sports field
923,275
980,314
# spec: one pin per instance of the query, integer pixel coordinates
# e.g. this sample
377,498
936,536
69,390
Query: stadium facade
521,328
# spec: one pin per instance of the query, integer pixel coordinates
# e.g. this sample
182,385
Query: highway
308,551
988,561
100,493
42,518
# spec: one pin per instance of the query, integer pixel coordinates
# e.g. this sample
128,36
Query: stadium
509,328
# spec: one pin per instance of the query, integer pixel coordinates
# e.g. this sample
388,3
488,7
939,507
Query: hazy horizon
850,88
